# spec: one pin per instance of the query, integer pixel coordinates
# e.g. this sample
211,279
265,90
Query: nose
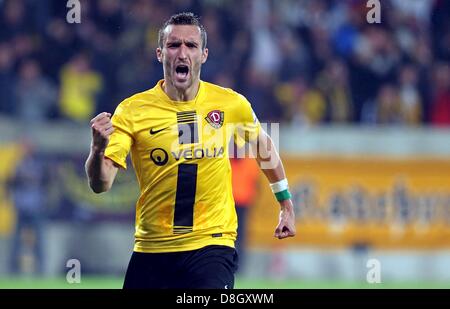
182,54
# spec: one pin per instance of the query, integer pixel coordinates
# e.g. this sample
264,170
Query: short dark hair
185,18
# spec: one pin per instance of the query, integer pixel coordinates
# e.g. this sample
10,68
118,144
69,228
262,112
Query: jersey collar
198,98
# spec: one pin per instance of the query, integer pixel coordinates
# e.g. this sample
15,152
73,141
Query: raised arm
100,170
270,163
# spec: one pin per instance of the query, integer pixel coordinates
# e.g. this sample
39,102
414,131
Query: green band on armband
283,195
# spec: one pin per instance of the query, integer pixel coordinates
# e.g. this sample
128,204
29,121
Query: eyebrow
179,41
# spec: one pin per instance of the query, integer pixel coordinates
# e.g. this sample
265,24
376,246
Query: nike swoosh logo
156,131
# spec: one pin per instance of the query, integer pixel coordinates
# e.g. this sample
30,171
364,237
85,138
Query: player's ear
159,54
204,55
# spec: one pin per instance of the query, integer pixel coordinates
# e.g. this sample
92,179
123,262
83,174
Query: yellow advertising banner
345,202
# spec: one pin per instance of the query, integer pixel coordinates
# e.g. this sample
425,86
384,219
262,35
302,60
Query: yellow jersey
179,150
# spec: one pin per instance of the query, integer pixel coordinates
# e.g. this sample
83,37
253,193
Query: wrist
286,205
281,190
283,195
97,151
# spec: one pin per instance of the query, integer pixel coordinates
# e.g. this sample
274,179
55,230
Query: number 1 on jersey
183,220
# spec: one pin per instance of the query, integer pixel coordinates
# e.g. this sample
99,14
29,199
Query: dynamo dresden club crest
215,118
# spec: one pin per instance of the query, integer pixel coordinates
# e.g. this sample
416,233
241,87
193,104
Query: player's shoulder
138,99
146,96
214,90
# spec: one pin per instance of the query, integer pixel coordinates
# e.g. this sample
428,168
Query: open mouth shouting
181,72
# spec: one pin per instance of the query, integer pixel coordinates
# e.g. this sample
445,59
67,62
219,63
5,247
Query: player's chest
181,128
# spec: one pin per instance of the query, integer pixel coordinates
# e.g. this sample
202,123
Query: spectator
29,197
388,106
333,83
80,86
7,61
284,42
312,108
410,98
36,95
441,102
384,109
14,20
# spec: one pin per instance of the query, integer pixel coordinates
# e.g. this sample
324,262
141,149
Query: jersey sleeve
248,128
122,138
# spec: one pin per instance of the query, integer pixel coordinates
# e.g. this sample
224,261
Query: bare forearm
98,172
274,174
269,160
272,167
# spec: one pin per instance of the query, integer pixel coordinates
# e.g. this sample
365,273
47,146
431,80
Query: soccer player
178,133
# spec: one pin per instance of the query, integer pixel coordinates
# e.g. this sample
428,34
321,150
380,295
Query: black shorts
211,267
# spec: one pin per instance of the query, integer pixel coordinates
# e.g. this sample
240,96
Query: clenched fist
101,130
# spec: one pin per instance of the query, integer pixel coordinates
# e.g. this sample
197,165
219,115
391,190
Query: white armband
279,186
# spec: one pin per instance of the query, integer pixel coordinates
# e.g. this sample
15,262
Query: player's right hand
101,130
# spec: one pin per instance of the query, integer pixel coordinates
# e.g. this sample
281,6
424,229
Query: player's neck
176,94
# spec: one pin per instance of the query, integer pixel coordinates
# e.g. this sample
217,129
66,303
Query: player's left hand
286,224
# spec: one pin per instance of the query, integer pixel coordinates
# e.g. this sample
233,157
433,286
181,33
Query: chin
182,85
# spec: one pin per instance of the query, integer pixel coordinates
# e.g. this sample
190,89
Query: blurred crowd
306,62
